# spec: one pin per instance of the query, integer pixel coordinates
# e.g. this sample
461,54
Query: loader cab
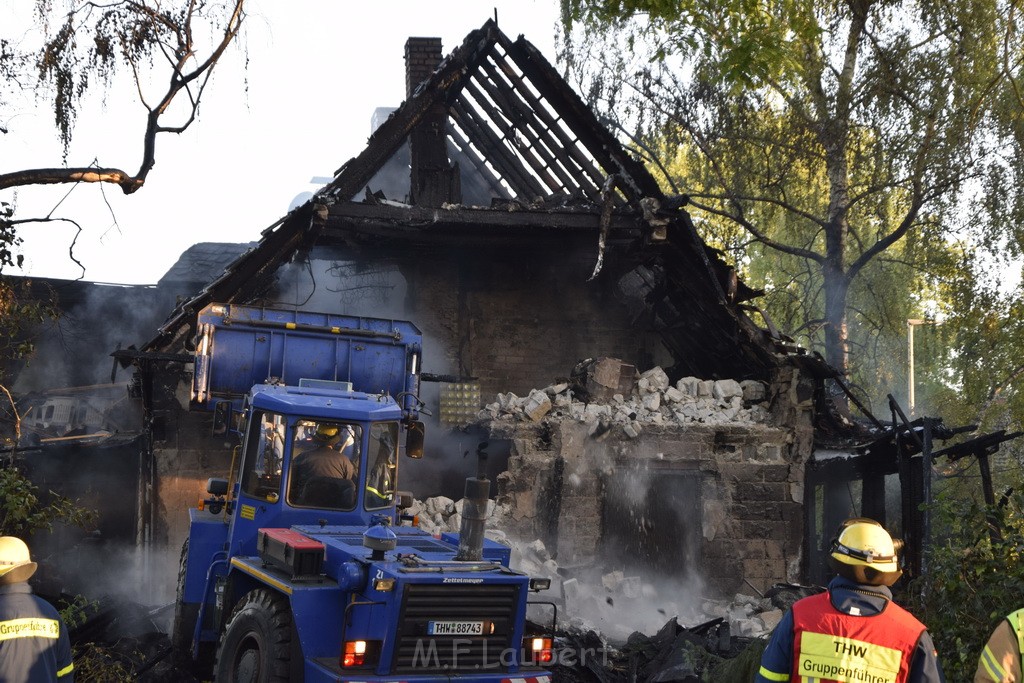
311,459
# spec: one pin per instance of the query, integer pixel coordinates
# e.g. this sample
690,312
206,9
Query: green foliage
972,581
738,669
852,156
76,611
23,514
20,311
94,662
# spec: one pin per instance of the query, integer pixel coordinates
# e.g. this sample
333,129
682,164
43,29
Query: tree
827,132
94,42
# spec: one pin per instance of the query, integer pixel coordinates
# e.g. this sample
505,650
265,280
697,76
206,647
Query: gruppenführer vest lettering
829,645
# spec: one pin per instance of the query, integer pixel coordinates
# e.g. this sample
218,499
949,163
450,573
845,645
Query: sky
292,105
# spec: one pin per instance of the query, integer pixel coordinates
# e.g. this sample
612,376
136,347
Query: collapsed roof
495,121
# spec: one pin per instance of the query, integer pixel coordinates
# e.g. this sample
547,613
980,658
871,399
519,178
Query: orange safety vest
829,645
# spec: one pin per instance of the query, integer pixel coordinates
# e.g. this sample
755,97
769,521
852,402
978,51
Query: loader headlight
384,585
540,584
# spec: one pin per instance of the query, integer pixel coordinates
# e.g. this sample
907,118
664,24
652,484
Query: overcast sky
316,71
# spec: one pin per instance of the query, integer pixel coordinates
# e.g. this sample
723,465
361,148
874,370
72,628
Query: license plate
455,628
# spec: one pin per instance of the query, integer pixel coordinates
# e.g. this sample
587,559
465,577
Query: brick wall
518,321
747,526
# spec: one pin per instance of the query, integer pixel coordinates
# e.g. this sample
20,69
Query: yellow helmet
865,552
326,431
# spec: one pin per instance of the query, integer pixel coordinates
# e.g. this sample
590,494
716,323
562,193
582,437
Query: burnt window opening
652,522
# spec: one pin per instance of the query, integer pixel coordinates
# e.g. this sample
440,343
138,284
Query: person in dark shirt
34,643
322,462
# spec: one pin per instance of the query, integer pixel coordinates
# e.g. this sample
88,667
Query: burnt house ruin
494,210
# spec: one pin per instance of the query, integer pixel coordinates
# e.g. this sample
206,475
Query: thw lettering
850,649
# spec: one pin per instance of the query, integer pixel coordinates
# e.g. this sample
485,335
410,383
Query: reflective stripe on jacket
830,645
1001,659
34,644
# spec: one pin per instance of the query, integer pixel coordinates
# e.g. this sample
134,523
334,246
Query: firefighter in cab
853,631
34,643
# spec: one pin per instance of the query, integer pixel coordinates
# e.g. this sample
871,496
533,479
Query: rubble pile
614,604
648,398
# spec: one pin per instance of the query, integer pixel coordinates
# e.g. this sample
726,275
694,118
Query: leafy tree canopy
833,145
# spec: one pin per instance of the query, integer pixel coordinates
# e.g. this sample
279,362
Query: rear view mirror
217,487
414,436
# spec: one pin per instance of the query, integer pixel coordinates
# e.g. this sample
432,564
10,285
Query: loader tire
183,628
256,644
184,615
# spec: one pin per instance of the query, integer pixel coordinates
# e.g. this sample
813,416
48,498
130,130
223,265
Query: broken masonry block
555,389
657,379
688,385
674,395
652,402
753,390
725,389
600,379
632,429
612,579
537,405
771,618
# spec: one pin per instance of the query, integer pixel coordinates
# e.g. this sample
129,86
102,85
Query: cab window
324,464
264,451
382,474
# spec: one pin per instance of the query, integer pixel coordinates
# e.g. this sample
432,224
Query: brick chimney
422,55
433,179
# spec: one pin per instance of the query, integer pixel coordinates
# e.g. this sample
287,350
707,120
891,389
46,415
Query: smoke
96,319
333,281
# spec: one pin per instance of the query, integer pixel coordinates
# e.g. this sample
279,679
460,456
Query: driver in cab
324,459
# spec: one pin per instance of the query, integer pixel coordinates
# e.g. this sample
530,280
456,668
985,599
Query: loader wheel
184,615
256,644
183,628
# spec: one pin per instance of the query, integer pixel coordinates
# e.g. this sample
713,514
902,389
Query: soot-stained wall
516,319
722,503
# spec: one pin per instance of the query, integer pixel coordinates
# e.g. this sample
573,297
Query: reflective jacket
859,604
1000,661
34,644
830,645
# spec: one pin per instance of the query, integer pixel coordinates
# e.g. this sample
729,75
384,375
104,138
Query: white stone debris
608,603
652,401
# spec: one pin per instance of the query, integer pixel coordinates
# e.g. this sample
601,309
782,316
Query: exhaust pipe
474,511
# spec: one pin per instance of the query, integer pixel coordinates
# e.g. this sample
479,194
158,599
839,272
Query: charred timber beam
601,144
526,123
478,164
481,220
453,70
538,107
514,126
509,136
371,233
524,185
